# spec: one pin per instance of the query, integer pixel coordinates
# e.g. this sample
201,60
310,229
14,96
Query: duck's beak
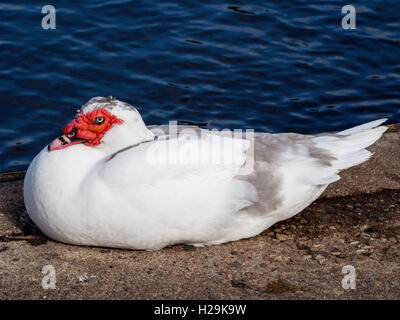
66,140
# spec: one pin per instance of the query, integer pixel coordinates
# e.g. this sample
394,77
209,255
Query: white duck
110,181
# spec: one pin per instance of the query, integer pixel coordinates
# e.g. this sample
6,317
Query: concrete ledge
356,222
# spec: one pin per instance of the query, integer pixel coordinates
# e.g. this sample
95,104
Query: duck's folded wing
289,170
209,157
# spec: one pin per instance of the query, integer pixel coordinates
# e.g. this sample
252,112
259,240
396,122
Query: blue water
268,65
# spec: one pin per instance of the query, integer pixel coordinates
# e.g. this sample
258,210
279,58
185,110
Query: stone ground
356,222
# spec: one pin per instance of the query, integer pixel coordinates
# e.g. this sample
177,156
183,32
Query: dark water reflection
273,66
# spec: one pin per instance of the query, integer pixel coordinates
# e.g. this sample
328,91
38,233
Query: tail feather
365,126
348,146
352,159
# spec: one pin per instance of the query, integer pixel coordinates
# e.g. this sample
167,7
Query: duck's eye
99,120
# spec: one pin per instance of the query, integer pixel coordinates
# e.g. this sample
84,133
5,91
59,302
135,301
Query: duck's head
104,123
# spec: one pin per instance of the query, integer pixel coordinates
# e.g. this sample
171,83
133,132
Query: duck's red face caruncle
87,128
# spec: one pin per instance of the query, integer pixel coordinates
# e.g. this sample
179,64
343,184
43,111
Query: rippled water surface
268,65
